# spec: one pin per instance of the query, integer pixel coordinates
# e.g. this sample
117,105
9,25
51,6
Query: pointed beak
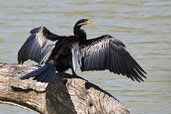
88,22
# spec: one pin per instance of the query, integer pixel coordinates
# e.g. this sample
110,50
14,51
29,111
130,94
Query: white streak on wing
96,54
41,38
50,48
45,45
98,46
76,56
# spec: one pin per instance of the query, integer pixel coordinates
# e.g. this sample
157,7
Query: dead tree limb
67,94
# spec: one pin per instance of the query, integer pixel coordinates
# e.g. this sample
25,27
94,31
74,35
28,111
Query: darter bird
59,53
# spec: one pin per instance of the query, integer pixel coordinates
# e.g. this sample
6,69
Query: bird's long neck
80,33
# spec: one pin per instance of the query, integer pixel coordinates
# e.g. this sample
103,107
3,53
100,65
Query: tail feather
43,74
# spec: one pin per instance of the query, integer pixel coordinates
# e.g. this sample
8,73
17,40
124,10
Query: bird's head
77,27
82,22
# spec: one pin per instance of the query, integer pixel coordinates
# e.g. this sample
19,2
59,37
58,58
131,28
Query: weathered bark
66,95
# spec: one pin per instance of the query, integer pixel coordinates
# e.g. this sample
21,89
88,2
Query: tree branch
67,94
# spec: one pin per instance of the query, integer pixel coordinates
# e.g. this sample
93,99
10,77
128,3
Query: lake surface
143,25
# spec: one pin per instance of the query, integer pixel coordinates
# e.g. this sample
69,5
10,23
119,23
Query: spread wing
109,53
38,46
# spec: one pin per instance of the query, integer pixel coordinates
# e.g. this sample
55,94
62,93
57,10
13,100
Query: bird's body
76,51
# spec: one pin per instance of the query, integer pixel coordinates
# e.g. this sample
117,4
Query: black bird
76,51
50,50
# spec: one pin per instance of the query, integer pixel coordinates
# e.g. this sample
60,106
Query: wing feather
109,53
38,46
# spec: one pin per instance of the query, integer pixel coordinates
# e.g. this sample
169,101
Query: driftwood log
67,94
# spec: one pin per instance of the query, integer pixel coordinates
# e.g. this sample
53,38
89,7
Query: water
143,25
